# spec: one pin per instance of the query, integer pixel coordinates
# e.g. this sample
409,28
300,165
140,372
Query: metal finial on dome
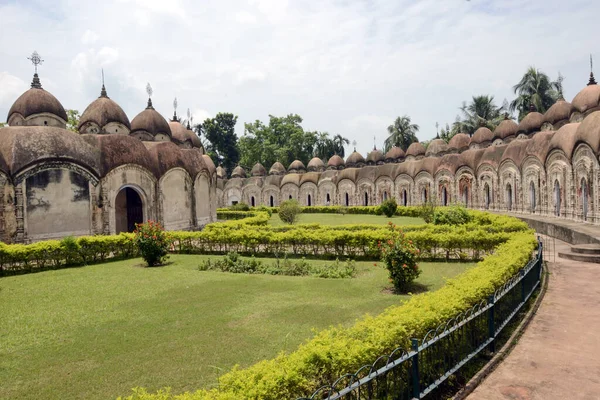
592,80
354,144
36,60
374,142
437,131
175,109
149,91
189,118
505,115
103,91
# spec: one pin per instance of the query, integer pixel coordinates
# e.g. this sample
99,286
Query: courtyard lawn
341,219
95,332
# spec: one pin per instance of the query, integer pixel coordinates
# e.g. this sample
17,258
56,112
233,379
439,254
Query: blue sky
347,67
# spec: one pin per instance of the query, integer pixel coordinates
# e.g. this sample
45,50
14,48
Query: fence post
491,327
522,274
415,370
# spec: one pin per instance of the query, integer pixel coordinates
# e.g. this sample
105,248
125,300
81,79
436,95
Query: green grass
340,219
96,332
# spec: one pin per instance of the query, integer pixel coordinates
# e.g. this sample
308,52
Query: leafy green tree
338,145
481,111
537,89
221,140
284,140
401,133
3,124
73,120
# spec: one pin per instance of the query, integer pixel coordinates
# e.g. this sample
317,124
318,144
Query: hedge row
337,351
401,211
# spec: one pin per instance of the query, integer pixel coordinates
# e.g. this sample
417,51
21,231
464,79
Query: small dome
416,149
221,173
258,170
297,166
34,102
482,135
587,99
531,123
459,142
437,147
375,157
238,172
184,135
316,165
149,125
394,154
209,163
560,111
102,112
277,169
335,162
506,128
355,160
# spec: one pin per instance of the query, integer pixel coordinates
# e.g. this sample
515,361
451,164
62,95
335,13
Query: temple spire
175,110
103,91
437,131
36,60
149,91
592,80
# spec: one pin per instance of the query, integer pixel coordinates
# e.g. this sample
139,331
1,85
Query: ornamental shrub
152,242
289,210
388,207
240,207
453,215
426,211
399,256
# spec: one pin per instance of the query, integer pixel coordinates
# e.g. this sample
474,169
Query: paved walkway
558,356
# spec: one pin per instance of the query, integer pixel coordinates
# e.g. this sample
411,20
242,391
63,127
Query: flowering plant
399,256
152,242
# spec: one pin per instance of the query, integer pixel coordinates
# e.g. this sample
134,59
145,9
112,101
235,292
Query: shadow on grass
412,288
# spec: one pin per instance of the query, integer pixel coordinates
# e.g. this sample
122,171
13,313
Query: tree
3,124
481,111
284,140
73,120
338,145
222,146
535,88
402,134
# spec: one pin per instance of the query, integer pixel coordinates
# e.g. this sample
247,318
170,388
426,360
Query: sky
347,67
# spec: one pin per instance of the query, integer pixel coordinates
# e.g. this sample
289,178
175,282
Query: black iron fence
415,373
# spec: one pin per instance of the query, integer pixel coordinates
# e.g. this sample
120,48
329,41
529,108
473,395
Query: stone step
589,258
586,249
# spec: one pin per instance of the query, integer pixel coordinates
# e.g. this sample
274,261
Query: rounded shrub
152,242
289,211
240,207
454,215
399,256
388,207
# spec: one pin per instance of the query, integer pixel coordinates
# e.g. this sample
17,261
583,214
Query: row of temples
547,164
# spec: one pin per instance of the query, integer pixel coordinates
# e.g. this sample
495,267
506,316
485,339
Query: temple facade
102,179
547,164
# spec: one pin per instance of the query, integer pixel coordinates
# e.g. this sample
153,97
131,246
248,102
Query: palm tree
338,145
535,88
402,134
481,111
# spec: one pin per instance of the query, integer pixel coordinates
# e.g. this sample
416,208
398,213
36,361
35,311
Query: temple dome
238,172
560,111
37,102
437,147
587,99
297,166
221,173
394,154
184,135
375,157
258,170
531,123
277,169
506,129
355,159
415,149
459,142
104,115
149,125
482,135
335,162
316,165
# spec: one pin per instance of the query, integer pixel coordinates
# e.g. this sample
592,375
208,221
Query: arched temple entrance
584,199
532,199
444,196
509,197
557,198
129,210
486,189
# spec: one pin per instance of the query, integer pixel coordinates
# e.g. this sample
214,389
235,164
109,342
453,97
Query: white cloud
89,37
10,88
200,115
245,17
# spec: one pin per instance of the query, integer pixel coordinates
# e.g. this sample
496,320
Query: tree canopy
284,140
73,120
402,133
480,111
221,141
537,89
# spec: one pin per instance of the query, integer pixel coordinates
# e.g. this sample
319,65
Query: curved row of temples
547,164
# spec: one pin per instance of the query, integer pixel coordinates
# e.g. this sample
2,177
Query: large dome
459,142
277,169
560,111
394,154
335,162
258,170
482,135
506,129
531,123
437,147
588,99
355,160
415,149
149,125
238,172
316,165
104,115
37,102
183,135
297,166
375,157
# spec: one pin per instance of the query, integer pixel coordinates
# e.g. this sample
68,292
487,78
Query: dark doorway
309,203
347,200
366,199
271,201
252,201
129,210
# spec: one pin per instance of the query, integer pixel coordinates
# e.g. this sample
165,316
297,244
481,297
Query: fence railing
417,372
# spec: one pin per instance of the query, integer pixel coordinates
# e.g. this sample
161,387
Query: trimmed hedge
336,351
401,211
